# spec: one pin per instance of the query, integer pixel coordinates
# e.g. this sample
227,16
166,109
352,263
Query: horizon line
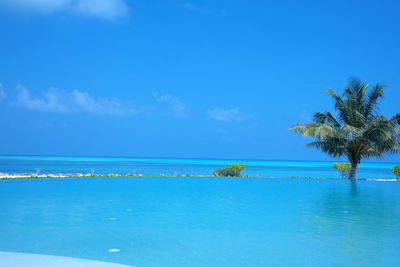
184,158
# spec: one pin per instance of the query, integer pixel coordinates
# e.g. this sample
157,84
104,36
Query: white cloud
50,102
227,114
55,100
177,106
2,93
108,9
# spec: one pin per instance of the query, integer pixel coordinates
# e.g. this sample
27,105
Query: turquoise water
204,221
154,166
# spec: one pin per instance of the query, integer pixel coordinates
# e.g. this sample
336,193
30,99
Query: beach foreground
34,260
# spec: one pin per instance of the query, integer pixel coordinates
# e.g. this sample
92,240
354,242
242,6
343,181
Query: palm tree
357,131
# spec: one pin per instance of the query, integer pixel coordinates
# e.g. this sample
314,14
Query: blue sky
213,79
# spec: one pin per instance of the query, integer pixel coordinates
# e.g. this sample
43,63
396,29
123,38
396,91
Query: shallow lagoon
170,166
204,221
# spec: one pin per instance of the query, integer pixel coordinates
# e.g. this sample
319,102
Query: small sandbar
36,260
6,176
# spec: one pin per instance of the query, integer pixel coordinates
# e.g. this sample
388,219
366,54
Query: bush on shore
343,168
396,171
231,170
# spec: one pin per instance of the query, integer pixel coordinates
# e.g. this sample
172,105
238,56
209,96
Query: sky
203,79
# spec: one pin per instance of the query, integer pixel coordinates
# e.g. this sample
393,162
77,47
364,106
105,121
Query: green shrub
231,170
224,173
396,171
343,168
236,168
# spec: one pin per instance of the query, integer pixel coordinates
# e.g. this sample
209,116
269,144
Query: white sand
13,259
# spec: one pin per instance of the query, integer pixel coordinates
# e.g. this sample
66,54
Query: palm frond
323,117
356,92
396,119
350,131
370,106
298,128
340,106
332,147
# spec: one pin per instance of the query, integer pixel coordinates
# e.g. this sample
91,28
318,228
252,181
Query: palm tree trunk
353,171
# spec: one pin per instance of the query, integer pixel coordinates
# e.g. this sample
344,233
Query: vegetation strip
50,176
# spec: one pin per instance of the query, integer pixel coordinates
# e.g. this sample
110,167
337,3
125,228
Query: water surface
204,221
157,166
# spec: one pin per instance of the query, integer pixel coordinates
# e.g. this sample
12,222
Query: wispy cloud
227,114
56,100
177,107
108,9
2,93
50,101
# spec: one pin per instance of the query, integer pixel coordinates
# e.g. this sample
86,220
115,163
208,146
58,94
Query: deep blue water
146,166
204,221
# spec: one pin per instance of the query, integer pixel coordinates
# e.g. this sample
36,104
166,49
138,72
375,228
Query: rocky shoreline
87,175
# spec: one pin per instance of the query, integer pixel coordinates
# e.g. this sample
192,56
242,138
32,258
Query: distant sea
176,166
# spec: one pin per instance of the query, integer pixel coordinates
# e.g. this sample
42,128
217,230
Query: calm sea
154,221
171,166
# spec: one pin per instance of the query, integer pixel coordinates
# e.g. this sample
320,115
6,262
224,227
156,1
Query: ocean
172,166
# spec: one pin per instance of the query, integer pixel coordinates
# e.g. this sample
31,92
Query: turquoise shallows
157,166
204,221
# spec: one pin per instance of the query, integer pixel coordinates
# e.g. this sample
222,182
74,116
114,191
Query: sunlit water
204,221
154,166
